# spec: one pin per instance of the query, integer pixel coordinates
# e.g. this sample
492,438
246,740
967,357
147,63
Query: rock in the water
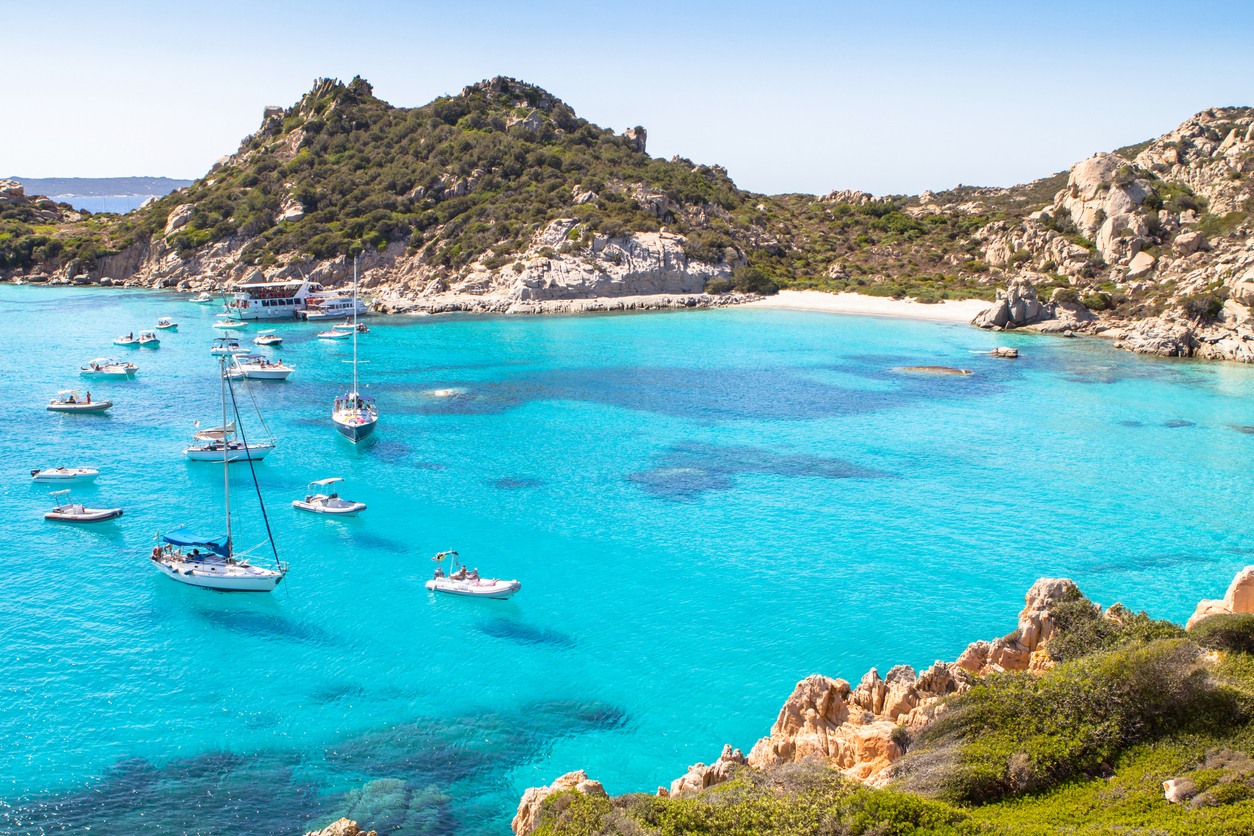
343,827
1004,351
533,799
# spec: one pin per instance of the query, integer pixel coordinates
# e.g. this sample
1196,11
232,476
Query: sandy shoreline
951,310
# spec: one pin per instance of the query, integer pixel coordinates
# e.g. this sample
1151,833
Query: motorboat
178,555
226,321
360,328
65,475
228,451
108,368
205,298
166,323
321,499
333,304
354,415
334,334
257,367
267,337
68,400
67,511
467,581
226,346
127,339
148,339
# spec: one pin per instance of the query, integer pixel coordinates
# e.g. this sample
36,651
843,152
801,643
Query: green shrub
1205,306
752,280
1226,632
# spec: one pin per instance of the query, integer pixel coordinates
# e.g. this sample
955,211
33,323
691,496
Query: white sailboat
178,554
355,416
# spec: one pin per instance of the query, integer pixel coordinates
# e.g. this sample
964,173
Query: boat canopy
182,537
103,361
330,481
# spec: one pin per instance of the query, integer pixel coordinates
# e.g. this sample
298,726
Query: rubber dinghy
67,511
327,501
467,582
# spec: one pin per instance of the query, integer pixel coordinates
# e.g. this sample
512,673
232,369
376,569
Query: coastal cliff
500,199
966,738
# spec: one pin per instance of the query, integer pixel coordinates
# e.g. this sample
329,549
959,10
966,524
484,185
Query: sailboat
355,416
178,553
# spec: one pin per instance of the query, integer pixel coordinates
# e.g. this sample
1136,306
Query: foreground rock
343,827
1238,599
529,808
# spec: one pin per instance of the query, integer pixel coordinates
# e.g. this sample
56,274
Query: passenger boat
354,415
226,321
273,300
166,323
327,501
108,368
66,511
257,367
178,554
65,475
68,400
467,581
267,337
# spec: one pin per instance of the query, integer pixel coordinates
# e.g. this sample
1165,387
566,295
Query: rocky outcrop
1016,306
533,799
1238,599
700,776
343,827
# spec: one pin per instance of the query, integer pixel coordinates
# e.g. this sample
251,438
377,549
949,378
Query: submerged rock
343,827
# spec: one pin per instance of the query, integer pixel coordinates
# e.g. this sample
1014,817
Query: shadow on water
520,633
515,483
1244,429
690,468
263,625
1175,423
434,775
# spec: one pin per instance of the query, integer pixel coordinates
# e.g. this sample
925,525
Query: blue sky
892,97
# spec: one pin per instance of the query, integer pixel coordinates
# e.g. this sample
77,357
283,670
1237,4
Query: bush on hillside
1226,632
752,280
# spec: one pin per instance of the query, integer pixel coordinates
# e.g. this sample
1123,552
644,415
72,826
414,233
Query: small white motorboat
335,334
166,323
205,298
108,368
127,339
267,337
67,511
322,500
257,367
467,581
226,346
65,475
228,321
68,400
349,326
148,339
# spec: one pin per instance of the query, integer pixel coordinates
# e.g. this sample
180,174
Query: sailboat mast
355,390
226,452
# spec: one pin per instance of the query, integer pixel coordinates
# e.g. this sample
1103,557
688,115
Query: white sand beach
950,310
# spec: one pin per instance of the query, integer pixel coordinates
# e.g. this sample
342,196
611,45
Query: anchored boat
68,400
467,581
105,368
326,501
65,475
67,511
355,416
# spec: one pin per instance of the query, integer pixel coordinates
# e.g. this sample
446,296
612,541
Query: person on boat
474,574
439,573
88,396
70,399
460,574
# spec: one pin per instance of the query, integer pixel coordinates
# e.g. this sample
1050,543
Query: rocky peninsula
863,733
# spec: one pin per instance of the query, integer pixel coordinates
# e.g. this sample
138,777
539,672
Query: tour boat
273,300
68,400
257,367
226,346
324,502
65,475
205,298
108,368
467,582
267,337
66,511
354,415
226,321
178,554
166,323
334,334
148,339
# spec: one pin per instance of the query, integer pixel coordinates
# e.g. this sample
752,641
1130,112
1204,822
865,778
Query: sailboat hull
355,432
225,579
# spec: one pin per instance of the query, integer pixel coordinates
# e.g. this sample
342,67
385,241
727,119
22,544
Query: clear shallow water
703,508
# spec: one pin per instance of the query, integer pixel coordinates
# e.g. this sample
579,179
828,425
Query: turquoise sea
703,507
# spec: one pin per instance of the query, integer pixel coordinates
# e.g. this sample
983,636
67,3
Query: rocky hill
502,199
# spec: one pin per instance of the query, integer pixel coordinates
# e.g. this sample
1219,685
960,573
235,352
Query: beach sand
951,310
